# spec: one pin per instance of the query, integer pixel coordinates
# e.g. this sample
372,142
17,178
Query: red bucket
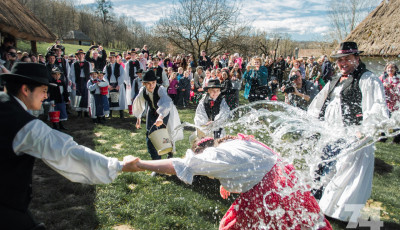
54,116
104,90
130,109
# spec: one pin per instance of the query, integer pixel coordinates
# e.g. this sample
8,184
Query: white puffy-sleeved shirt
373,103
201,118
165,107
237,164
58,150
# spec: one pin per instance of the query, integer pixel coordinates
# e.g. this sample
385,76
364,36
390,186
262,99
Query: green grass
145,202
43,46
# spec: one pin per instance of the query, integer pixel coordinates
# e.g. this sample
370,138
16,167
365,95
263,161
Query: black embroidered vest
212,108
351,97
116,72
15,171
152,105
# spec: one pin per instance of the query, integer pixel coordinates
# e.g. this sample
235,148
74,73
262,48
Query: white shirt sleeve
58,150
165,79
315,106
72,74
139,104
201,117
374,105
165,103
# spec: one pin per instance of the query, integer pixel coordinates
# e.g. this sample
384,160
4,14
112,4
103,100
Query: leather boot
62,127
121,114
55,126
79,114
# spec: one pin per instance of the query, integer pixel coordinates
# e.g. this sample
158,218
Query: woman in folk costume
116,77
212,111
161,110
271,193
80,75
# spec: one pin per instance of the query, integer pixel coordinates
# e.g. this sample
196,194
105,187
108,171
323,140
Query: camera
252,67
289,88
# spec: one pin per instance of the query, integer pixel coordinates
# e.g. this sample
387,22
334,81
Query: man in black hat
161,111
80,75
354,97
212,110
115,75
23,138
61,63
162,78
51,62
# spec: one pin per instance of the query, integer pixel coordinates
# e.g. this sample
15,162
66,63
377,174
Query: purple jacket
173,85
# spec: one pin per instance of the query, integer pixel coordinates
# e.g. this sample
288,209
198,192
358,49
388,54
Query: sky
304,20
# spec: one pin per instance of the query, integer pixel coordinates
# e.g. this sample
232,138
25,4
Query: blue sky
302,19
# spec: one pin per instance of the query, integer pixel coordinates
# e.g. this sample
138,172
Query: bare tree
345,15
195,25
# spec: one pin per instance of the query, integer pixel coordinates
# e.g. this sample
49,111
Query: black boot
62,127
100,120
110,114
94,120
121,114
170,155
86,114
55,126
79,114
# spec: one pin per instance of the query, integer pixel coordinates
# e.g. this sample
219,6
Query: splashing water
303,142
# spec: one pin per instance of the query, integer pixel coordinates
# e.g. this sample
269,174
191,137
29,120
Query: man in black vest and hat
353,98
116,77
161,111
162,78
23,138
80,75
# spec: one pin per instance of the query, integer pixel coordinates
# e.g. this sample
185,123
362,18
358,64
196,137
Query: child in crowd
212,111
184,90
105,95
59,95
180,74
95,97
173,87
161,111
137,84
192,89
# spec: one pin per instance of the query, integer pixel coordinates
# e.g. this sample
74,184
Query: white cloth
123,103
58,150
165,107
201,118
352,182
237,164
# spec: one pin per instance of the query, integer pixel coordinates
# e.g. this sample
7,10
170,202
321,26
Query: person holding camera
298,91
256,78
97,55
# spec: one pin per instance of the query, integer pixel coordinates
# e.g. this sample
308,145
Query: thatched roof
76,35
378,33
19,21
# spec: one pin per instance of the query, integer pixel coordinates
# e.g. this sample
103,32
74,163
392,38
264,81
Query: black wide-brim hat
28,72
213,83
347,48
149,76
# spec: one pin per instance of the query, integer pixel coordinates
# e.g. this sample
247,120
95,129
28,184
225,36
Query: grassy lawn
139,201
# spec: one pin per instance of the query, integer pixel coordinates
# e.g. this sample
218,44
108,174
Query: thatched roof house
77,37
378,33
20,22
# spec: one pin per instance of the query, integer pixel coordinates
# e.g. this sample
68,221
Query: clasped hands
130,164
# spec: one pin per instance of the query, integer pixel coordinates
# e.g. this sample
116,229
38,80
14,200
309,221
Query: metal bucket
77,101
114,97
161,140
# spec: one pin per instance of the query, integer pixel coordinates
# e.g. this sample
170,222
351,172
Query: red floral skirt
275,203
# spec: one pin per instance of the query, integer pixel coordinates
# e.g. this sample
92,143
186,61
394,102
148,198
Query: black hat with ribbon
213,83
28,72
347,48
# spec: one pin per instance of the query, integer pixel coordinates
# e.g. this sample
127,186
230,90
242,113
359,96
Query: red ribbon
58,81
81,64
211,103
